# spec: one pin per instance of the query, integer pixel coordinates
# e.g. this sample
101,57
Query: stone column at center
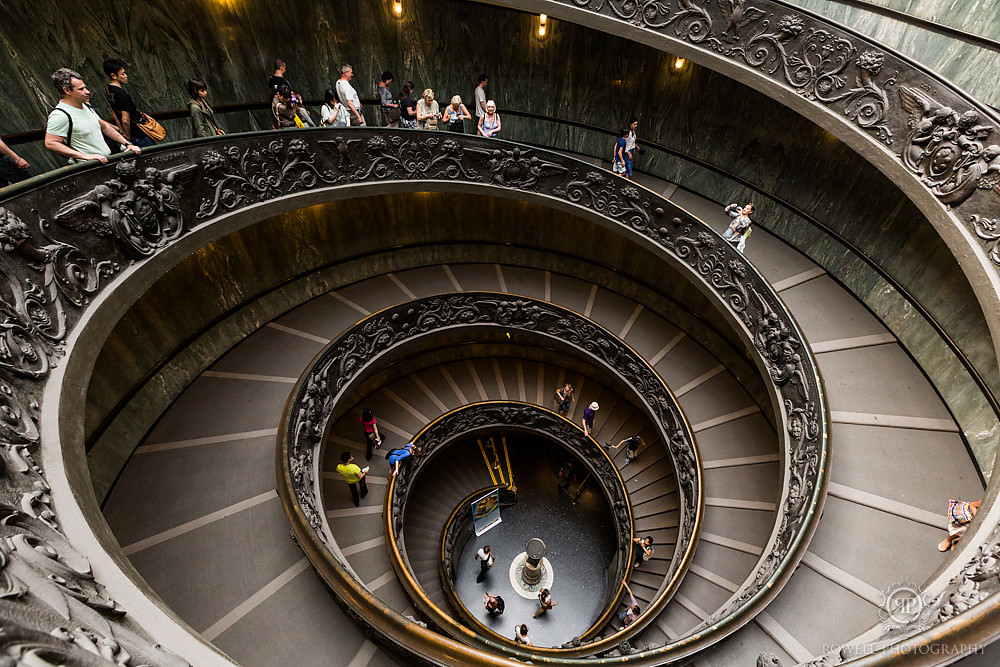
531,573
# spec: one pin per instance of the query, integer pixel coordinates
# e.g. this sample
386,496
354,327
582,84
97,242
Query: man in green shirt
354,476
74,130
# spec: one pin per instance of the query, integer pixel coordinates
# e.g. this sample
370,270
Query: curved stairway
196,511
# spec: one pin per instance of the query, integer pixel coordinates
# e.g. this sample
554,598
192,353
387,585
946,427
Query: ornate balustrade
82,244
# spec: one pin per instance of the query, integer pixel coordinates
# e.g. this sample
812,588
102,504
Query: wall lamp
397,7
679,63
542,22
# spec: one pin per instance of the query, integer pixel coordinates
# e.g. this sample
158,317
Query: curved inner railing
69,237
508,416
346,361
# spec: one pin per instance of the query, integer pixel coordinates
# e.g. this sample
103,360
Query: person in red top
372,436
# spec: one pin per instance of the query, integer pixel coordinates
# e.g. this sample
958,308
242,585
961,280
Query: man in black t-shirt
122,105
277,79
633,447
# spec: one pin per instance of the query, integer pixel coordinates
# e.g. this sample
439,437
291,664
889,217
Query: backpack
343,117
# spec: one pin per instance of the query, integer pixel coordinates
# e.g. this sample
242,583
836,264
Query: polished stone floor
580,543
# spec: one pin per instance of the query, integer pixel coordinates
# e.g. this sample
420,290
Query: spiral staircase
207,562
180,499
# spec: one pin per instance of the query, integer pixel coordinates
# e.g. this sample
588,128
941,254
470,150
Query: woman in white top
428,112
489,124
331,109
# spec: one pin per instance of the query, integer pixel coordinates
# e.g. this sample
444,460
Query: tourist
564,399
494,604
398,455
630,146
456,114
642,550
390,109
428,112
354,476
372,436
565,476
960,514
545,602
123,109
618,156
74,130
485,558
632,451
589,413
629,616
479,95
489,123
407,107
282,108
202,117
332,112
521,635
277,79
13,167
348,96
739,228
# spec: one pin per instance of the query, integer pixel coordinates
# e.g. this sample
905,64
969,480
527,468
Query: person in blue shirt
395,456
618,157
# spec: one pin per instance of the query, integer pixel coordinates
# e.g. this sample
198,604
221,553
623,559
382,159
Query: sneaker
627,460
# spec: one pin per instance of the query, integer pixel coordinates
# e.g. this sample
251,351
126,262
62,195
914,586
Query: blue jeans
9,173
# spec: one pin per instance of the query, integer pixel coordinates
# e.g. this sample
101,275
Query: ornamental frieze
948,141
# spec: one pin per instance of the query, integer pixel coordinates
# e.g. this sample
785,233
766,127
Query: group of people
353,474
342,105
74,130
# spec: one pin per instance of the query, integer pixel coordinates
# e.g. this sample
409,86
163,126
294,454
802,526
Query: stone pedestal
531,573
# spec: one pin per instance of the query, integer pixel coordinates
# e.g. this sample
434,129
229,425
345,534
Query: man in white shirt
348,96
74,130
480,96
485,558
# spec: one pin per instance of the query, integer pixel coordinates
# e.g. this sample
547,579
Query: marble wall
574,73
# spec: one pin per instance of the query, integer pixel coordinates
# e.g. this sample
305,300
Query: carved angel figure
143,213
946,148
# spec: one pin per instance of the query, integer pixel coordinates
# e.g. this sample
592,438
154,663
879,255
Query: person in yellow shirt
354,476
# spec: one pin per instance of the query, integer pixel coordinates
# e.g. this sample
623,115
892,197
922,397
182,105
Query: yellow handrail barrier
487,460
510,471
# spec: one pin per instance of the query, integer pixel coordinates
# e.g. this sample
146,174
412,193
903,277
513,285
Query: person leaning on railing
74,130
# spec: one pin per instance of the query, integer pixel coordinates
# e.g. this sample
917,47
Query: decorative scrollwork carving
597,191
402,157
516,167
254,174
